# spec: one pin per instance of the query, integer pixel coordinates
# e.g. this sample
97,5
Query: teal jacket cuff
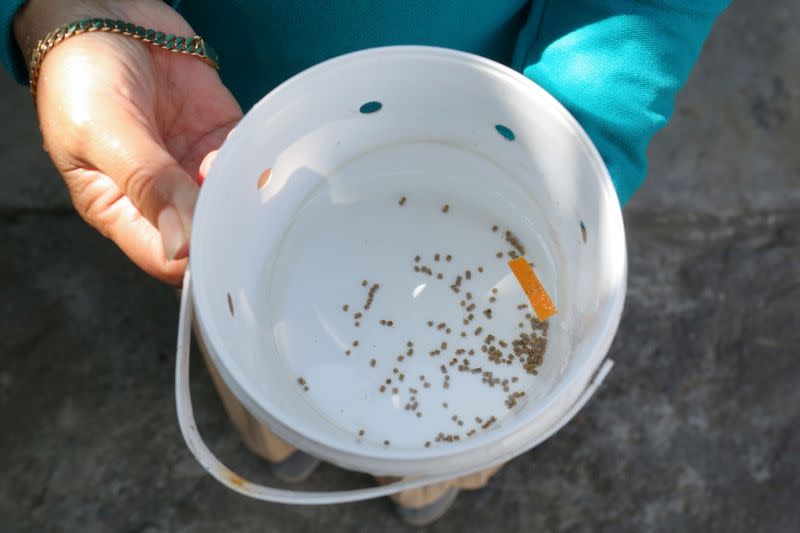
616,65
11,54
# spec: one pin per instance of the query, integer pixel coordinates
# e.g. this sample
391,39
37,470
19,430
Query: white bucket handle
234,482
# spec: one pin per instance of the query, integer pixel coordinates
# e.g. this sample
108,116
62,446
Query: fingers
208,160
103,205
205,165
154,182
142,243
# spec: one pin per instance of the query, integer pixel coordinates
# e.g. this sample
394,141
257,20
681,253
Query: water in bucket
395,368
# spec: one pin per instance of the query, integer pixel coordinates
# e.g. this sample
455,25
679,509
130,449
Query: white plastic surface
239,484
437,125
367,235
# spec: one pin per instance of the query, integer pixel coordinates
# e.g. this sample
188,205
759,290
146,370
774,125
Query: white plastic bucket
271,265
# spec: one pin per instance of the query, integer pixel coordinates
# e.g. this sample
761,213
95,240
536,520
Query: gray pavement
695,429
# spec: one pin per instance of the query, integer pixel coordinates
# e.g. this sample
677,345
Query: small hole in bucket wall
264,178
230,304
505,131
371,107
583,231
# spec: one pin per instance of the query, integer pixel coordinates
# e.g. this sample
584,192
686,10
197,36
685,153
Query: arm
616,65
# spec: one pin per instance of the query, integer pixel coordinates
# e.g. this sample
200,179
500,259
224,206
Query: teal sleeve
616,65
11,56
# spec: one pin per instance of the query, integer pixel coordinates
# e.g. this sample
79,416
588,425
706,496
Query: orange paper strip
541,302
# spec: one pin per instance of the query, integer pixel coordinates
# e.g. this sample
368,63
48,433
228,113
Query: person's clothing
616,65
262,442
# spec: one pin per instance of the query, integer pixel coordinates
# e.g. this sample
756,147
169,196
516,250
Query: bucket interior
329,190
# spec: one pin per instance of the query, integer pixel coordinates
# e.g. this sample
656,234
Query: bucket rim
558,401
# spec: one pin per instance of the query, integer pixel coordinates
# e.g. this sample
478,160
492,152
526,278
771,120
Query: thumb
205,165
155,183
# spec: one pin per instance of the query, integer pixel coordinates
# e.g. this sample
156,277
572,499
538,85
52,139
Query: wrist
38,17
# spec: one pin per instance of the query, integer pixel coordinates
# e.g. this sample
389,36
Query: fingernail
174,237
205,165
183,198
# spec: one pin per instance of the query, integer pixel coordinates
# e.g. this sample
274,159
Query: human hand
128,125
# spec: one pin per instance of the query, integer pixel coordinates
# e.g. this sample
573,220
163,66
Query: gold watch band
194,46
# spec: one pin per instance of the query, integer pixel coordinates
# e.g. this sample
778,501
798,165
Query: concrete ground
695,429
